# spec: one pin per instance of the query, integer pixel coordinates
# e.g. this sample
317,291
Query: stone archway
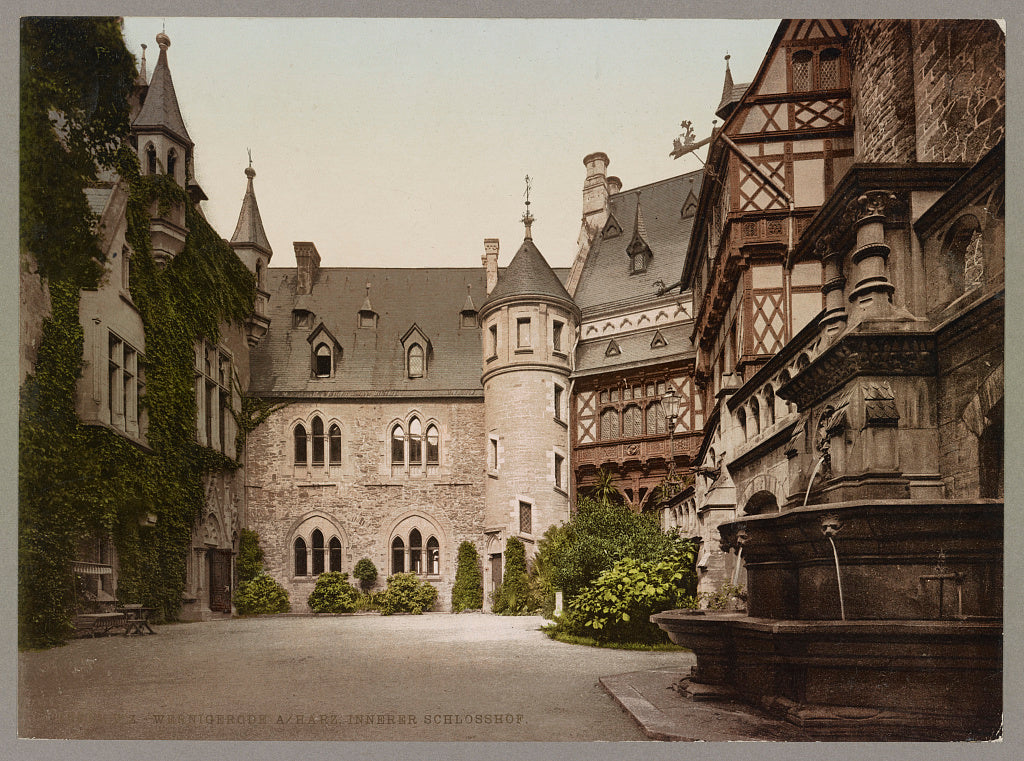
983,416
762,494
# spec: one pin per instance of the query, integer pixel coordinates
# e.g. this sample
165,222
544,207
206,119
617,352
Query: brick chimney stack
595,191
307,263
490,262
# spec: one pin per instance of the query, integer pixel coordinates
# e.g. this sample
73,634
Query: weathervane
687,140
527,216
249,150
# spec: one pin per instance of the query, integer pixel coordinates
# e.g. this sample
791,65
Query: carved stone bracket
873,206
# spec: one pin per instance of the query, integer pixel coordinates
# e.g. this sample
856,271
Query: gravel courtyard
365,677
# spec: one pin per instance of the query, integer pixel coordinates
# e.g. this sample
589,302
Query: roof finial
249,171
527,217
142,67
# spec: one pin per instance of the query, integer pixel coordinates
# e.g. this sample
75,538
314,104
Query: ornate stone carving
875,204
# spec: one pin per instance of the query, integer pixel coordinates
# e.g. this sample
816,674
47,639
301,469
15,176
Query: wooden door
495,571
220,580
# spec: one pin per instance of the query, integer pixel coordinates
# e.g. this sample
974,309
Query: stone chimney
595,191
490,262
307,264
614,185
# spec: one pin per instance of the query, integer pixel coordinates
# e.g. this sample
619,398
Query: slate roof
160,109
373,360
249,229
634,349
528,274
606,275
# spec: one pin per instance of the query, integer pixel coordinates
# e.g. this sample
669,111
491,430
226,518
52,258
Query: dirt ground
365,677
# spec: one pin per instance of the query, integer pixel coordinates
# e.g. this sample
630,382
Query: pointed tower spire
249,230
161,111
639,226
727,87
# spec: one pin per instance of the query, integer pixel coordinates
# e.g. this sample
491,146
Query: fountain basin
855,680
919,655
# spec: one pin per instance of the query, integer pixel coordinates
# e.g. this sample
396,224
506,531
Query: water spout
830,526
814,473
736,570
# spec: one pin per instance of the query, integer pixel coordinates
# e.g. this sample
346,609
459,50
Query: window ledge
559,353
492,474
492,357
561,422
526,350
561,491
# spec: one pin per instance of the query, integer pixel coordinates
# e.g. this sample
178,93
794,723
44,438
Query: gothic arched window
334,437
397,555
172,162
433,556
300,556
415,442
415,551
322,362
300,444
318,441
318,552
335,553
150,159
433,448
398,445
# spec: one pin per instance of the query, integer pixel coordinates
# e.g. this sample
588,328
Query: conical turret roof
160,110
528,274
249,230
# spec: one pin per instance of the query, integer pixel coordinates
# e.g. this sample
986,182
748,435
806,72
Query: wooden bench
95,623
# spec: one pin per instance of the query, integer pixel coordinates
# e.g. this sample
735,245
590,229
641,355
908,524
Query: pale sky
404,142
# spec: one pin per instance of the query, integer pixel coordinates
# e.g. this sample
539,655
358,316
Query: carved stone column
835,317
872,292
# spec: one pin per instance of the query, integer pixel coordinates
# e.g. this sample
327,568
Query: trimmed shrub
468,591
366,572
250,556
261,594
513,597
618,606
406,594
333,594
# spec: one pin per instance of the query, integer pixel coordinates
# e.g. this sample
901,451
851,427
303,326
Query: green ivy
77,480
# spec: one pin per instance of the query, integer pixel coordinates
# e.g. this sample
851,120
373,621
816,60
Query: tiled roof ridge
674,178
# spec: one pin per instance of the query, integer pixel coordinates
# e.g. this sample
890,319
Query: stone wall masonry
883,102
965,363
960,90
361,496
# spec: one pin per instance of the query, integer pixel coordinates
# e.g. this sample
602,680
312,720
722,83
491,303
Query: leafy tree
513,597
468,591
261,595
600,534
366,572
250,556
333,594
406,594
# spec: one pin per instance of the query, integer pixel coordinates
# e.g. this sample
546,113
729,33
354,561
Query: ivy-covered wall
76,479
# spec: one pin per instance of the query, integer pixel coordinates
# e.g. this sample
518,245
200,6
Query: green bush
333,594
261,595
366,572
468,591
513,597
618,605
250,556
406,594
600,533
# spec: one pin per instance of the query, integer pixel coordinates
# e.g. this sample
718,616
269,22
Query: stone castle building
795,355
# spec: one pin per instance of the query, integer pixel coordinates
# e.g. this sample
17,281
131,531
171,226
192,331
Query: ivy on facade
77,480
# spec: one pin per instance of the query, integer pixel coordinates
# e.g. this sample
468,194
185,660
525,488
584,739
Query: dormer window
416,361
468,319
302,318
325,352
367,319
416,348
322,361
638,262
